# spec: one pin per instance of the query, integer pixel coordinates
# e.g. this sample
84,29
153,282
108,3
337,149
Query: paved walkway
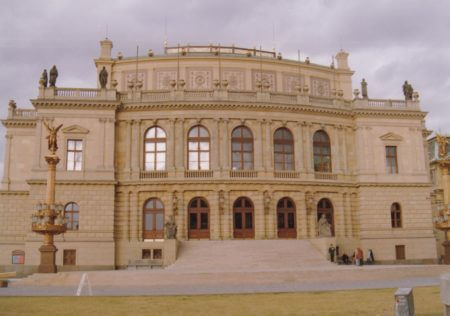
265,268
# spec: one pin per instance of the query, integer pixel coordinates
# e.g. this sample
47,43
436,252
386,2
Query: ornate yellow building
228,143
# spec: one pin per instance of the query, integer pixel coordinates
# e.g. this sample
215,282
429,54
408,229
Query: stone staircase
247,255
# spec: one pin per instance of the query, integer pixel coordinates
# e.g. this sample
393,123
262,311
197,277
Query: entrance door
198,218
286,219
243,219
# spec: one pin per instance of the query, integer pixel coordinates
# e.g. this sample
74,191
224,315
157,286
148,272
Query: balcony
286,174
243,174
325,176
198,174
154,174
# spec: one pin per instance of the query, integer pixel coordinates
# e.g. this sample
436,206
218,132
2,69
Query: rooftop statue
103,78
44,79
442,143
408,91
53,76
52,137
364,89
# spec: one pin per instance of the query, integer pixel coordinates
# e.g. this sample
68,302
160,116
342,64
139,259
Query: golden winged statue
52,137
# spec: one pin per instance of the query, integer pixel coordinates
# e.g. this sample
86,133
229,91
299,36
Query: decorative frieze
199,78
320,87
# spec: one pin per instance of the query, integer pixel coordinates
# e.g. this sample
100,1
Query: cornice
389,113
72,182
75,104
11,123
397,185
7,192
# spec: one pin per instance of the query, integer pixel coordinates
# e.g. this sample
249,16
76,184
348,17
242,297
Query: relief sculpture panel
291,82
163,78
267,76
199,78
130,76
320,87
235,78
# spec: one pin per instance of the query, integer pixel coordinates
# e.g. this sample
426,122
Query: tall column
180,143
110,131
102,147
298,152
128,125
268,148
135,168
335,157
340,215
128,217
348,214
307,152
302,217
6,181
262,142
134,214
227,145
215,146
343,132
38,144
170,146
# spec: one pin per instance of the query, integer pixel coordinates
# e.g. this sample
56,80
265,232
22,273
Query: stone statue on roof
103,78
408,90
364,89
442,143
44,79
53,76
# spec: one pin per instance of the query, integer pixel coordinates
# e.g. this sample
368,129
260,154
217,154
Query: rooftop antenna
273,38
165,32
298,68
106,31
260,68
178,66
220,66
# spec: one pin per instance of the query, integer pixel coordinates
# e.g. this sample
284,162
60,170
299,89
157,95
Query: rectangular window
69,257
400,252
74,154
18,257
391,159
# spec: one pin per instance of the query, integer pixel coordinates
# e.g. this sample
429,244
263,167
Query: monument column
7,162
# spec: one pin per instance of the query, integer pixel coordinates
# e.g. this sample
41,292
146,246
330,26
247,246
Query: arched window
322,152
243,218
325,218
283,144
198,148
155,149
153,219
242,148
72,214
396,215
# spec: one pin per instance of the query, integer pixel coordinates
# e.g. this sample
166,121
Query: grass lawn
354,302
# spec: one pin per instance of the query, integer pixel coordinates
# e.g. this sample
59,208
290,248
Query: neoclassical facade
226,142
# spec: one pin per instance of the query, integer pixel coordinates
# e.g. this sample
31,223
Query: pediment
75,129
391,137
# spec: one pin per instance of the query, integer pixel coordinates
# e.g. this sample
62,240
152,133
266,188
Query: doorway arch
286,223
243,218
198,218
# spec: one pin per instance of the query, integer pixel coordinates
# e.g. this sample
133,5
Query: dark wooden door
286,219
243,218
400,252
198,219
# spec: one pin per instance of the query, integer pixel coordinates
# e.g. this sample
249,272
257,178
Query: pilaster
6,181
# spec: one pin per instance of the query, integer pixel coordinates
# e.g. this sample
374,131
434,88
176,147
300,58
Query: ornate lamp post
441,221
49,218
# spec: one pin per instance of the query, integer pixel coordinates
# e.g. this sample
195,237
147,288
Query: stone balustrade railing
265,96
21,114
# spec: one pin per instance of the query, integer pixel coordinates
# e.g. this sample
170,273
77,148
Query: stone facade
205,87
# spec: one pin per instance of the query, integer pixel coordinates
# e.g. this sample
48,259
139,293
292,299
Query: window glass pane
236,165
248,157
248,146
151,133
75,207
193,165
70,165
78,156
148,221
204,146
75,216
278,147
160,133
150,204
161,166
288,148
238,220
149,146
246,133
278,158
248,165
291,220
159,221
203,203
289,158
79,145
71,145
158,203
235,146
236,156
193,146
247,203
280,220
160,157
204,156
160,146
204,165
193,132
193,220
193,157
203,220
149,158
203,132
248,220
78,165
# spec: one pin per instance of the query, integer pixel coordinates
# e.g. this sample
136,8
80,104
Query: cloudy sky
388,41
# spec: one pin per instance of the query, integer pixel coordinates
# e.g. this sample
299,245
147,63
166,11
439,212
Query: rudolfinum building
226,143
